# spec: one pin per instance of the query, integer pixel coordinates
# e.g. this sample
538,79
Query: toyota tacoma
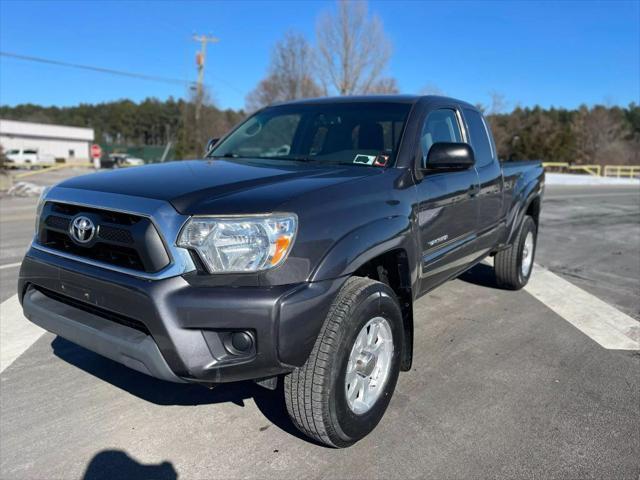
293,252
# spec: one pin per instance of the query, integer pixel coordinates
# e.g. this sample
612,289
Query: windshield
366,134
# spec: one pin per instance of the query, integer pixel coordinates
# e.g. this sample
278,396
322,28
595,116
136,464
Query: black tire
315,393
508,262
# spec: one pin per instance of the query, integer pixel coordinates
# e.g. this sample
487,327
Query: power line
140,76
122,73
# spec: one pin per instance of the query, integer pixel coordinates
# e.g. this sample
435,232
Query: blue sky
547,53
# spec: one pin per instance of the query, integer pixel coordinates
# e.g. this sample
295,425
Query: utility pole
200,61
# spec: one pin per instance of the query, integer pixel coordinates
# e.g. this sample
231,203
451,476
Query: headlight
240,244
40,205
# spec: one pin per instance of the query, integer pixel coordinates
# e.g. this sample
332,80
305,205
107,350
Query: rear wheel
340,394
514,265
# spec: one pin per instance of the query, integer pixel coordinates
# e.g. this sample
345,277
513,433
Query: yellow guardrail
595,170
626,171
622,171
555,164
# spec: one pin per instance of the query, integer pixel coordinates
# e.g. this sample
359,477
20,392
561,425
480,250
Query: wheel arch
531,207
392,269
382,250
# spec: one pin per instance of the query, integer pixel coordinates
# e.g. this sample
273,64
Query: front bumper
117,342
169,328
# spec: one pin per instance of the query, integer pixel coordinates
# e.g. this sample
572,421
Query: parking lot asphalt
591,236
502,386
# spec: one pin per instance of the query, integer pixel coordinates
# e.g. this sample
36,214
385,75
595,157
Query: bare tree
498,103
385,85
290,74
353,50
431,89
195,131
599,132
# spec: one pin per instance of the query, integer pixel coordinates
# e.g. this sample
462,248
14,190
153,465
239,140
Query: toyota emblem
82,229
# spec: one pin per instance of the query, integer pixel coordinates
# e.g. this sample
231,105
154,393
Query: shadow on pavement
270,403
482,275
116,464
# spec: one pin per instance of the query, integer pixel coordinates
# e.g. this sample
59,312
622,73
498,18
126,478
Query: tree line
151,122
602,135
586,135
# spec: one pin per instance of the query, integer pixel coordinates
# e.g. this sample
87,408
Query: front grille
123,240
117,235
101,252
60,223
98,311
107,215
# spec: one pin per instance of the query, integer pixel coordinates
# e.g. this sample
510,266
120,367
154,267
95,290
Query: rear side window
440,126
479,138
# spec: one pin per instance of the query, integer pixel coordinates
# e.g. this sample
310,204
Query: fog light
241,341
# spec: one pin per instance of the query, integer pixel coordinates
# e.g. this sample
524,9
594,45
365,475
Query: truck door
447,206
490,195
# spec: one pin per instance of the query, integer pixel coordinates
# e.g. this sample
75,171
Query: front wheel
514,265
341,393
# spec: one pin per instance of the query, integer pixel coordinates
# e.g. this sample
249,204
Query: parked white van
28,158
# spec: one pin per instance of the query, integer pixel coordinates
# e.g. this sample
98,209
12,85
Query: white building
67,144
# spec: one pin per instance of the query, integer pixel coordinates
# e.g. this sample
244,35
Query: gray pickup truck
292,252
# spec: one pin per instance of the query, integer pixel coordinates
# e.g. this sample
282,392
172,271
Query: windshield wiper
298,158
227,155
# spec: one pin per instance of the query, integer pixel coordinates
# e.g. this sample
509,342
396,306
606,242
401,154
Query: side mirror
449,156
210,144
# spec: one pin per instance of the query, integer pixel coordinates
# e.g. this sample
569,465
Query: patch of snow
25,189
576,179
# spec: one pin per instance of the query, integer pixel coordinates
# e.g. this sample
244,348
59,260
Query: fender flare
364,243
367,242
521,213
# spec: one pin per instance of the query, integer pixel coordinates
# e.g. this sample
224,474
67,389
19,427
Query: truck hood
225,186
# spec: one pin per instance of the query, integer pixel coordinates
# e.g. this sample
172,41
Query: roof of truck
375,99
358,99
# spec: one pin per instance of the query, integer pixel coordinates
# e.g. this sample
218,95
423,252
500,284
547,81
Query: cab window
479,138
439,126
